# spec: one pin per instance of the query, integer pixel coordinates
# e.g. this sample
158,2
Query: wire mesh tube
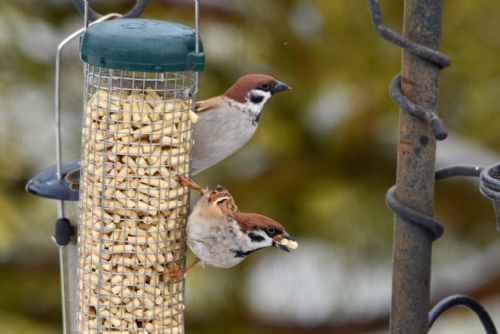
136,141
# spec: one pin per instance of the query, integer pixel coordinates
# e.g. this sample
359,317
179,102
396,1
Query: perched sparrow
225,123
222,236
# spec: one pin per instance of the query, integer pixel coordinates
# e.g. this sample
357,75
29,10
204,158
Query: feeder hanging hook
134,12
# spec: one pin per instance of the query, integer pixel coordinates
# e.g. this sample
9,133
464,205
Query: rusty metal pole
415,173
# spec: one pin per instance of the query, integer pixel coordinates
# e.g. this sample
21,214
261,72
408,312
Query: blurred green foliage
320,163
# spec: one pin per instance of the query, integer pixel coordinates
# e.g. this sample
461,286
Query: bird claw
173,273
187,182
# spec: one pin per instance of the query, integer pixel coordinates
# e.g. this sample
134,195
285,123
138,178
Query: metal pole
86,14
68,253
415,173
197,41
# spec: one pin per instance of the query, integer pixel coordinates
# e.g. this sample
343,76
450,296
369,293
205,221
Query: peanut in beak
286,243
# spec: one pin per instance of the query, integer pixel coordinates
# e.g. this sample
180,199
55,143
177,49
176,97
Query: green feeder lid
142,45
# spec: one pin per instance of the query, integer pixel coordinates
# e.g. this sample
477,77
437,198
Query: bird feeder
140,79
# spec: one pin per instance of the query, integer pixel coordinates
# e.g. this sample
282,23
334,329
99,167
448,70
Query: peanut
132,211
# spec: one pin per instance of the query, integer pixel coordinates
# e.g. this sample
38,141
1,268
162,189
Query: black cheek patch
256,98
255,237
240,253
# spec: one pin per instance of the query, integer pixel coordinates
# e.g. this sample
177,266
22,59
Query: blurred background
320,162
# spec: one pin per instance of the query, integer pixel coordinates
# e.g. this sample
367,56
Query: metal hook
92,15
458,170
435,57
466,301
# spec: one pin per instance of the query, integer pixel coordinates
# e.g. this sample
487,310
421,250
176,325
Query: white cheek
267,242
265,97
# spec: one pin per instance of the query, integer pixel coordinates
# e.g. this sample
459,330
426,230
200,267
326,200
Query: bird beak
285,242
279,87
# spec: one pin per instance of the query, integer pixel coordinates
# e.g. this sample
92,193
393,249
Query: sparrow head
255,89
264,232
218,202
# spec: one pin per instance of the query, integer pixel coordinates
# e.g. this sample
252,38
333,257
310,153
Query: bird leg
187,182
174,274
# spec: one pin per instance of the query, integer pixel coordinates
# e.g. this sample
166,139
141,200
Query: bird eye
270,230
266,86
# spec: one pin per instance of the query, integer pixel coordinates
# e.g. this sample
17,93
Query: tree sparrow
225,123
222,236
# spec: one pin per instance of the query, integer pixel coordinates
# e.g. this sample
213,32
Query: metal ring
417,110
135,11
425,53
489,184
428,223
432,226
490,181
490,188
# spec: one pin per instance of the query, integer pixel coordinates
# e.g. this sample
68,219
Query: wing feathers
208,104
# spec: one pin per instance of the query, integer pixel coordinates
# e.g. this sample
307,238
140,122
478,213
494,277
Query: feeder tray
47,185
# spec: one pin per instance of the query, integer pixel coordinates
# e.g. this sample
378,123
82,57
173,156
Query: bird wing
208,104
248,221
